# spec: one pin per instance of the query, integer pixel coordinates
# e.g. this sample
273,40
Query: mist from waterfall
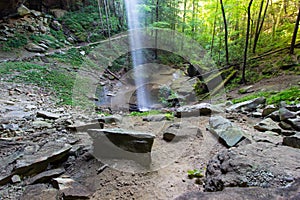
134,18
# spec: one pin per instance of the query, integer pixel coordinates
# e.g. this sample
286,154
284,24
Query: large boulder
226,130
259,164
122,144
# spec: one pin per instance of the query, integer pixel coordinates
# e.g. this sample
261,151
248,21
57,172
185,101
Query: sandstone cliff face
9,7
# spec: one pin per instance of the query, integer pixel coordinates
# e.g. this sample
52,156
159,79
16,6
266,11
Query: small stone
47,115
155,118
268,125
34,48
46,176
71,189
41,124
268,110
285,114
23,10
15,179
295,123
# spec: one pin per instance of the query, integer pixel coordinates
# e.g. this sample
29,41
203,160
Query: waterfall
134,18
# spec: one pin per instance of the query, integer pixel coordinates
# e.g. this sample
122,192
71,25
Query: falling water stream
134,18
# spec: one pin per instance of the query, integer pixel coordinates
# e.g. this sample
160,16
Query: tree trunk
156,31
226,32
247,42
184,16
257,26
101,17
214,30
258,31
295,33
278,18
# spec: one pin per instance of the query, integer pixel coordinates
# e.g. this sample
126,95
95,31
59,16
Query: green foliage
143,114
290,96
85,24
59,81
50,40
17,41
195,173
72,56
166,93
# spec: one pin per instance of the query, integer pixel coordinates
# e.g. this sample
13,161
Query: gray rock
274,116
285,114
247,105
155,118
226,130
285,126
269,137
268,125
292,141
31,164
269,109
71,189
290,192
23,10
122,144
41,124
84,127
202,109
45,177
253,165
40,192
15,179
17,115
34,48
295,123
176,132
246,89
293,108
110,119
47,115
36,13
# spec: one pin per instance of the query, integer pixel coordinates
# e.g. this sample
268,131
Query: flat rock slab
177,132
226,130
268,125
71,189
35,163
290,192
202,109
46,176
122,144
84,127
155,118
269,137
47,115
110,119
40,192
248,105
